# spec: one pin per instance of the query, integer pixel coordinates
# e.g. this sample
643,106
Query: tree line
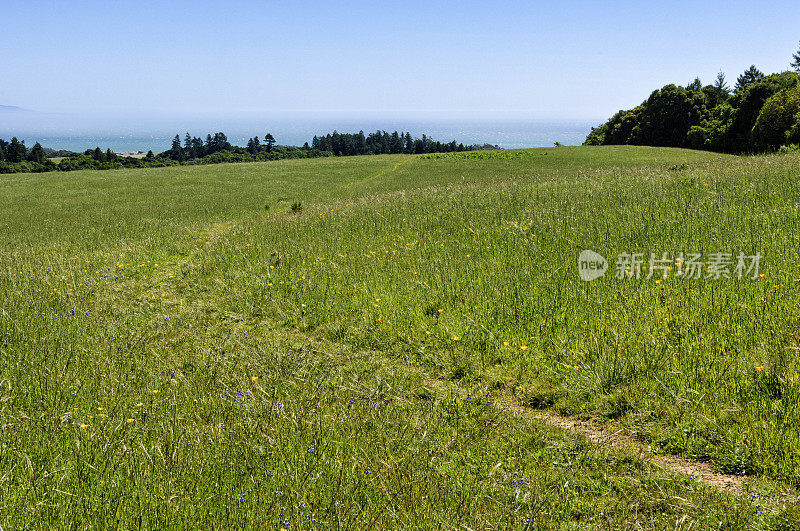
381,142
215,149
760,113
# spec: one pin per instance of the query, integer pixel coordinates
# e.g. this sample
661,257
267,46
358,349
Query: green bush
777,118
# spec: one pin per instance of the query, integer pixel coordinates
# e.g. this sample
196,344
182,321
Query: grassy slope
158,295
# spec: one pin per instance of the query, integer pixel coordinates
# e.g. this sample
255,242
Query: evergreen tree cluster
761,113
215,149
380,143
14,154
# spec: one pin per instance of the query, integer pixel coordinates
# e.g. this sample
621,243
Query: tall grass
181,347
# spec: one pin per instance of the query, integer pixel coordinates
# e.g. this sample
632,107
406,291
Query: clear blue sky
553,59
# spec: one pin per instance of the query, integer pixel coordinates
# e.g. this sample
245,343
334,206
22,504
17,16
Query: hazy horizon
128,131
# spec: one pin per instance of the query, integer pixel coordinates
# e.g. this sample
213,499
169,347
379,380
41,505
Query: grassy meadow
179,347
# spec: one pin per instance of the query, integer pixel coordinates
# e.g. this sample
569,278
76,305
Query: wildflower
760,368
130,421
523,347
155,391
139,404
84,426
505,343
254,379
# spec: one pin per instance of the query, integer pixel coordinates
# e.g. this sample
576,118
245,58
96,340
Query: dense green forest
381,142
15,157
760,114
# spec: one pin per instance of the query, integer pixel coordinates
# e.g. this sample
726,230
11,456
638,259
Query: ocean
144,131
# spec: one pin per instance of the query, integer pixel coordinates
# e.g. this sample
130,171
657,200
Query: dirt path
622,441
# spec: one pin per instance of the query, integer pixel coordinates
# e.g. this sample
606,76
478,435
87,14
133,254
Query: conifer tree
16,150
37,154
720,84
795,64
751,75
269,140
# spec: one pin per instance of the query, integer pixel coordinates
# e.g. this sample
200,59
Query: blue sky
549,60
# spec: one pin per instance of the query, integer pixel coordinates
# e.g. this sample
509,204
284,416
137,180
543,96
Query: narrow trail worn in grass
621,440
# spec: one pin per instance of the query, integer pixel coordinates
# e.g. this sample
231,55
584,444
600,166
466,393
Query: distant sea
145,131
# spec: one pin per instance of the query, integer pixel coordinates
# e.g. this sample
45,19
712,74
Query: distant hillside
11,108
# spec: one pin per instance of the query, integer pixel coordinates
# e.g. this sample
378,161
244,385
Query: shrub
777,118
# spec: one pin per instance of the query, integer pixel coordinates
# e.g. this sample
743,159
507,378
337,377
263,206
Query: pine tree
751,75
269,140
37,154
251,147
720,84
16,151
197,147
795,64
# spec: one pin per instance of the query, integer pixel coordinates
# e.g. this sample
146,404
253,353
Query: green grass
252,361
